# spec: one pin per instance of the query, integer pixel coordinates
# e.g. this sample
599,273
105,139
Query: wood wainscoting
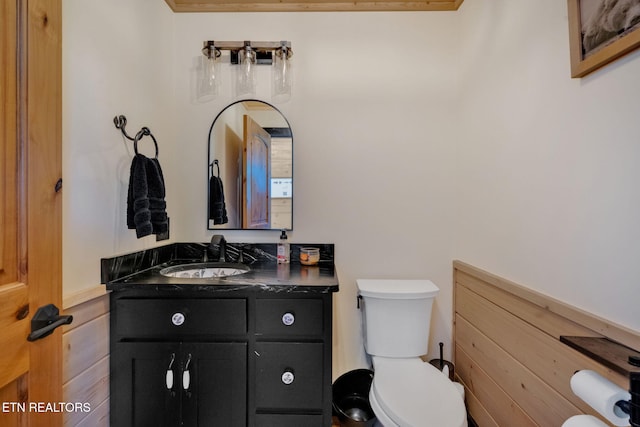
508,353
85,350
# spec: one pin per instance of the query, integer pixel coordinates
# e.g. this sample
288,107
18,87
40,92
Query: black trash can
351,399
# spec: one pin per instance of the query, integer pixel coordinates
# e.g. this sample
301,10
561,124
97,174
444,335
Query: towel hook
121,122
144,131
215,162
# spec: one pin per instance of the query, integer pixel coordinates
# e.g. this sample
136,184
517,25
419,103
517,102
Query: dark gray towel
146,207
217,206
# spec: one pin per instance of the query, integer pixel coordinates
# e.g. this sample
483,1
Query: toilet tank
396,316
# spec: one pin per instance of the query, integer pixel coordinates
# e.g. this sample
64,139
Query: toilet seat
412,393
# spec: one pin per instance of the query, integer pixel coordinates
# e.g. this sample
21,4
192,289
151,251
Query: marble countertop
141,270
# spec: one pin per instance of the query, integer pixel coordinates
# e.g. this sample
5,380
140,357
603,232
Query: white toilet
406,392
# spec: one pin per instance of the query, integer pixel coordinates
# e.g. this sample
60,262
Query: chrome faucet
218,241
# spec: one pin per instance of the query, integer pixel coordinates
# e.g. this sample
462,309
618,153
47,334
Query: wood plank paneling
541,402
508,353
88,299
551,323
98,417
598,325
480,414
494,399
85,345
86,357
545,355
91,386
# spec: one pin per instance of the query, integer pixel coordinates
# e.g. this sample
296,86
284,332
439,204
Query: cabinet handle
287,377
288,319
186,376
169,376
169,379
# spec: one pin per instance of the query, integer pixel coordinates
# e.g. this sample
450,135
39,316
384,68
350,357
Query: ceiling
310,5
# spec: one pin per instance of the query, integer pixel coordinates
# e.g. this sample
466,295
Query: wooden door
257,175
30,209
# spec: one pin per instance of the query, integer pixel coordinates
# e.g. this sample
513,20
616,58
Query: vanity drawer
289,375
289,317
288,420
167,318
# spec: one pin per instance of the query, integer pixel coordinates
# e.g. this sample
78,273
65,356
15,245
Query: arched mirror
250,168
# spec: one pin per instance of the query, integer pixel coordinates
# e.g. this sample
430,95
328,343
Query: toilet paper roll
601,394
583,421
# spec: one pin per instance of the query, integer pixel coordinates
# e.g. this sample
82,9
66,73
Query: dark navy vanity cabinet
243,351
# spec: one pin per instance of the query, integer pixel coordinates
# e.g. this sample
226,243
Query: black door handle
46,319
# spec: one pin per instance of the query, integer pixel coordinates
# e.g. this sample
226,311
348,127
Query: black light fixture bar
264,49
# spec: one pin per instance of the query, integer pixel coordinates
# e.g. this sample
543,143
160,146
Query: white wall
547,166
371,115
114,62
418,138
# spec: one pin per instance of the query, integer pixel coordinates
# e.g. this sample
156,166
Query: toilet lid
414,393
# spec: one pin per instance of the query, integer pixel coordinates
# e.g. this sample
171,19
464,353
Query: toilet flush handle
358,301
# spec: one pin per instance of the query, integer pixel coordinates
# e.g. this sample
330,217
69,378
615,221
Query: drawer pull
287,377
169,379
186,376
169,376
177,318
288,319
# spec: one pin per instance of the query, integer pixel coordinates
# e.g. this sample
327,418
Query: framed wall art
601,31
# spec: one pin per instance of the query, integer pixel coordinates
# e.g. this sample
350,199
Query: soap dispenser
283,249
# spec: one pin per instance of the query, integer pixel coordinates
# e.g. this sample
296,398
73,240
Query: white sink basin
204,270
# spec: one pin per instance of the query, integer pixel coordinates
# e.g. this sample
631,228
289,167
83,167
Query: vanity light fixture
209,81
246,71
246,56
281,80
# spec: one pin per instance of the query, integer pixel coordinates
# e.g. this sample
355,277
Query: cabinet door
214,383
140,393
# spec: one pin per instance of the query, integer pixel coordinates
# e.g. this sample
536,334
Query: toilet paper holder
619,358
632,407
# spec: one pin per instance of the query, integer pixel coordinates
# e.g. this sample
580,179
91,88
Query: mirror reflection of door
226,152
257,175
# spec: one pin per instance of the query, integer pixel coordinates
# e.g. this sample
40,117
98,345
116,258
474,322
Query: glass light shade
246,72
209,79
282,77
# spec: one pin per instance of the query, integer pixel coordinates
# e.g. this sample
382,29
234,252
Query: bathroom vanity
252,349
